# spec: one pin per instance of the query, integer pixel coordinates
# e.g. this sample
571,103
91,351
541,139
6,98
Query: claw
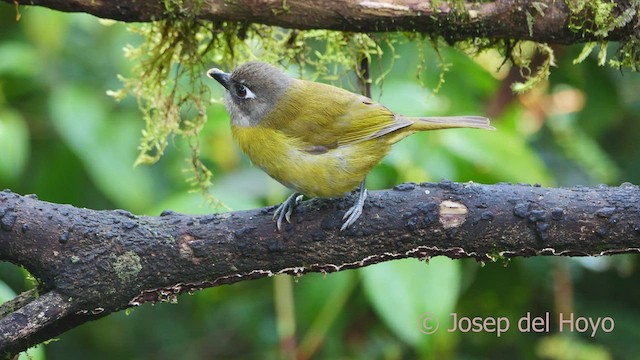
355,211
284,211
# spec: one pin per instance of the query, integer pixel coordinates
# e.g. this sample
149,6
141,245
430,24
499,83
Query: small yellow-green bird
316,139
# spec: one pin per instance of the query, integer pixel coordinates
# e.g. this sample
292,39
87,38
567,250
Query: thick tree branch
543,21
91,263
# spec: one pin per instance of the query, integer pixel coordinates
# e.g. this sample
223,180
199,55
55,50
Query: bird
316,139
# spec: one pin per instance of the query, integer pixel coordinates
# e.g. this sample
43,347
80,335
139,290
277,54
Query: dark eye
244,92
241,90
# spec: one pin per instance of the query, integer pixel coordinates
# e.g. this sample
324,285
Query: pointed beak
220,76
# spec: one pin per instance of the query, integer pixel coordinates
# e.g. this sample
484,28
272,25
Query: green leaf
105,143
583,149
501,153
240,190
559,346
6,293
14,144
409,98
18,59
403,291
49,29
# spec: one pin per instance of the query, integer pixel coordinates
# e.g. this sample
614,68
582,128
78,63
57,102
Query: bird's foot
284,211
355,211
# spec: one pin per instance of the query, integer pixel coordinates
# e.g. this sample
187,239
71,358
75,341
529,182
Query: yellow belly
329,174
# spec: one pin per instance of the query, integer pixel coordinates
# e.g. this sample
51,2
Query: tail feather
448,122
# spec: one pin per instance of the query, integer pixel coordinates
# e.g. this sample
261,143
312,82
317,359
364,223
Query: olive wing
325,117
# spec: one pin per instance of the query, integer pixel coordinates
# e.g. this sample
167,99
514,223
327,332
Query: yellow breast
326,174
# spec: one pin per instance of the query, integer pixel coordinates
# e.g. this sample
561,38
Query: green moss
601,21
529,22
542,72
627,56
173,94
168,76
495,255
127,266
442,65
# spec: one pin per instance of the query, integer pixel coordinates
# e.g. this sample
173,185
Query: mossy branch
91,263
541,21
183,36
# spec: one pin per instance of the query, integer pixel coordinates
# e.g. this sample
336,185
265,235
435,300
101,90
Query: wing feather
324,116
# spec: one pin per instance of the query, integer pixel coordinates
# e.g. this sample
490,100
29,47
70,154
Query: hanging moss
601,21
169,83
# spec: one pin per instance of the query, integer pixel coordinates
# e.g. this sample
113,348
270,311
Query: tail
448,122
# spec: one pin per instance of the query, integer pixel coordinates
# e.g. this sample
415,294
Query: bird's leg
285,209
356,210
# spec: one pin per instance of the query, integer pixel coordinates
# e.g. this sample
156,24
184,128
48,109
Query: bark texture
542,21
90,263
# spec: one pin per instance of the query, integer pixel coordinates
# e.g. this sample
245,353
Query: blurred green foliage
64,139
